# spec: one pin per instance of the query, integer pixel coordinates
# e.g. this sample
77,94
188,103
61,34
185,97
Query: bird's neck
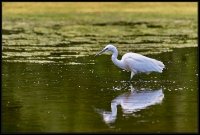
115,60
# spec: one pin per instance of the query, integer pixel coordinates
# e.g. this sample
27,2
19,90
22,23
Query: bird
134,62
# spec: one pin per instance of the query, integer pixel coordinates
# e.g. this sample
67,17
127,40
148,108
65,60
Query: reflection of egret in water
131,102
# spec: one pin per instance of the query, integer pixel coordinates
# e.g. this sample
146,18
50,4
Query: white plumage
139,63
133,62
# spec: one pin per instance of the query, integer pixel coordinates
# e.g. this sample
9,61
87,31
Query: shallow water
51,81
73,98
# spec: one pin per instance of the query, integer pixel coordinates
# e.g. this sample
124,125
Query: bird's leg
132,74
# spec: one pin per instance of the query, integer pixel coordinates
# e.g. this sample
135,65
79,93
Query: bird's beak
101,52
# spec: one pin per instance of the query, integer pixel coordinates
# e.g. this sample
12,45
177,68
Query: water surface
68,98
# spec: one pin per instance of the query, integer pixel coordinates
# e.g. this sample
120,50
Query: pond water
78,98
51,81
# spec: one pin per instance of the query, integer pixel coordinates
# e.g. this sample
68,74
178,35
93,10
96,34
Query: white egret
133,62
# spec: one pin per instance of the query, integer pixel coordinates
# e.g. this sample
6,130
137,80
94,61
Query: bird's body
133,62
139,63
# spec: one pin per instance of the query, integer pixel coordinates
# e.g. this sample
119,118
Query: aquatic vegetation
31,34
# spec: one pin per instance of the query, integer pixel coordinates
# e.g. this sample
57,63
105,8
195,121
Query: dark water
77,97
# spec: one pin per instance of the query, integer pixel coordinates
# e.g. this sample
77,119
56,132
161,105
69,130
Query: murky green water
51,81
72,98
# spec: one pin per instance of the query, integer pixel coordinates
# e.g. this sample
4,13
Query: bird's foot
129,82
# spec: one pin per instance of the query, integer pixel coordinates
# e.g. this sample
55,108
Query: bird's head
109,47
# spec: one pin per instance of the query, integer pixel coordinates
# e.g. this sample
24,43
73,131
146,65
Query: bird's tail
161,66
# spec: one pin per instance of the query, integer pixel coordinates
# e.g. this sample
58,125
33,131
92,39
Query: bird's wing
139,63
